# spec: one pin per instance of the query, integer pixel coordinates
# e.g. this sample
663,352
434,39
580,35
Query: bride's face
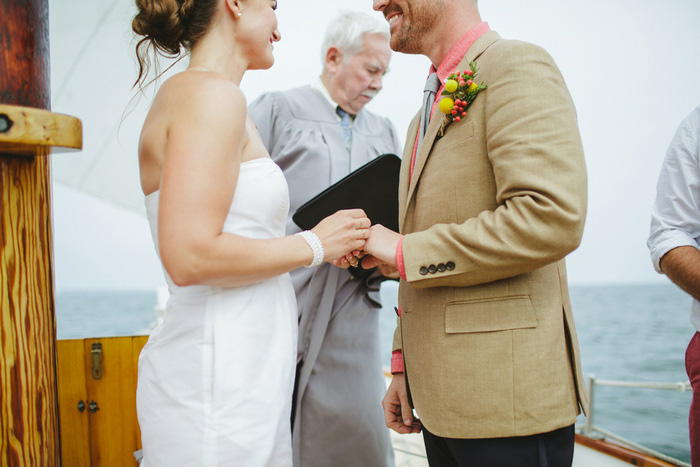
258,23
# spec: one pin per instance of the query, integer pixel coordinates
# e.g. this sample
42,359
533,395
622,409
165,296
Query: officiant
318,134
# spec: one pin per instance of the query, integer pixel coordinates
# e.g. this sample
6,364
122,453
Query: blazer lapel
424,151
405,174
481,44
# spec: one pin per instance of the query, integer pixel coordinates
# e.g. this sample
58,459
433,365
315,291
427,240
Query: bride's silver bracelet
316,246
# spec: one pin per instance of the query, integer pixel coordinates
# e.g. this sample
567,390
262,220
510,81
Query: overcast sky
632,68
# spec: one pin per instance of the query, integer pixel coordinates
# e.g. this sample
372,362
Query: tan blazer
494,205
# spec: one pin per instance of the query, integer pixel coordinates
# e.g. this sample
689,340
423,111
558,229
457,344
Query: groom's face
410,22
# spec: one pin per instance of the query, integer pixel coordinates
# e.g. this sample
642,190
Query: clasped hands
378,251
348,236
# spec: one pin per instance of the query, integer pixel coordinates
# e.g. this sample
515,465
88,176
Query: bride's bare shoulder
192,90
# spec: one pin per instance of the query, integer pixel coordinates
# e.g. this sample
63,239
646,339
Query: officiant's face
357,79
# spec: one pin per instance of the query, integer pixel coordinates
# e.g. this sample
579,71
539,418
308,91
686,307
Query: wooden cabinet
97,400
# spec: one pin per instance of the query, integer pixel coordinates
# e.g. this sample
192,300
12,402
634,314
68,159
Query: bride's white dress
216,377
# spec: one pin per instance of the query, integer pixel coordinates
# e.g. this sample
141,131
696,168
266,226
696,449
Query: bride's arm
206,138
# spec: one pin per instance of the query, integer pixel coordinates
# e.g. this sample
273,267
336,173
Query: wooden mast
29,433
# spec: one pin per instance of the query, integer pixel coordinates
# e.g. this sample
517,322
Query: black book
374,188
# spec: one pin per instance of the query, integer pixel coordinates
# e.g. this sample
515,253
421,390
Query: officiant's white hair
347,32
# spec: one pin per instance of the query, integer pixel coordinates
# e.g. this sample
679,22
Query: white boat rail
590,430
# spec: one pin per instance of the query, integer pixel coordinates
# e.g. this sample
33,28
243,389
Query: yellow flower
446,105
473,87
451,85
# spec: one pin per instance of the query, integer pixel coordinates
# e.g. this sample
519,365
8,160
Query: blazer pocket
491,314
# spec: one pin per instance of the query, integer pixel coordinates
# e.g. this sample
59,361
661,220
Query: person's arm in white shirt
675,223
682,266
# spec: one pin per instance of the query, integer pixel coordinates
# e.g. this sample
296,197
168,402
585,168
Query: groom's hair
347,33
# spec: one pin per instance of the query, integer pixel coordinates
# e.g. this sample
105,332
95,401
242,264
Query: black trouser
552,449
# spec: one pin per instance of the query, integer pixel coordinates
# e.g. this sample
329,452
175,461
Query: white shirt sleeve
675,215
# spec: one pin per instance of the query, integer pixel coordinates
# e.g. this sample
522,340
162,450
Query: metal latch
96,360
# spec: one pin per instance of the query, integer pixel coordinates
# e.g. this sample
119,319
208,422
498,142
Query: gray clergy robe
340,385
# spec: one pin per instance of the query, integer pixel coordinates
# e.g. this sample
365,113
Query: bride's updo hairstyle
168,26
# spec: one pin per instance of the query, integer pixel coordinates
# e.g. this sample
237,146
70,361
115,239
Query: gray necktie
344,125
431,88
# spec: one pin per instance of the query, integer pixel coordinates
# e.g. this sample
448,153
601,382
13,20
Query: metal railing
590,429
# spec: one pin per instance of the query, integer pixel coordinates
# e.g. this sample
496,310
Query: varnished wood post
28,392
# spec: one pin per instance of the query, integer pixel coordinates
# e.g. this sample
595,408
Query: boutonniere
460,90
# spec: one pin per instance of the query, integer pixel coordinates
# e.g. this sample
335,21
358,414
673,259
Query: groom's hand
397,413
388,271
369,262
381,244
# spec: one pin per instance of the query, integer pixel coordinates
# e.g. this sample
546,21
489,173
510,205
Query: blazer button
441,267
432,268
423,271
450,265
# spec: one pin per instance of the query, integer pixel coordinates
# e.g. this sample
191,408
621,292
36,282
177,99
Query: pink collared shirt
449,66
446,68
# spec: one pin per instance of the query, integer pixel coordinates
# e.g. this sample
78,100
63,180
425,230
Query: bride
216,377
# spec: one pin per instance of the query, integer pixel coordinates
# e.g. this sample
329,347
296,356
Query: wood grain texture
623,453
30,129
25,76
28,397
109,436
72,388
28,403
114,434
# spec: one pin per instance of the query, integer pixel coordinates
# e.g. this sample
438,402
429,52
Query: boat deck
410,452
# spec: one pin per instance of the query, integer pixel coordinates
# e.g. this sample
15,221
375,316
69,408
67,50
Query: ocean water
626,332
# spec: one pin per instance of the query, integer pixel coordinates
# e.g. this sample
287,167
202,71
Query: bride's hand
351,259
343,233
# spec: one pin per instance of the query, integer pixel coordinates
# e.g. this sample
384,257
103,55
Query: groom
490,203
